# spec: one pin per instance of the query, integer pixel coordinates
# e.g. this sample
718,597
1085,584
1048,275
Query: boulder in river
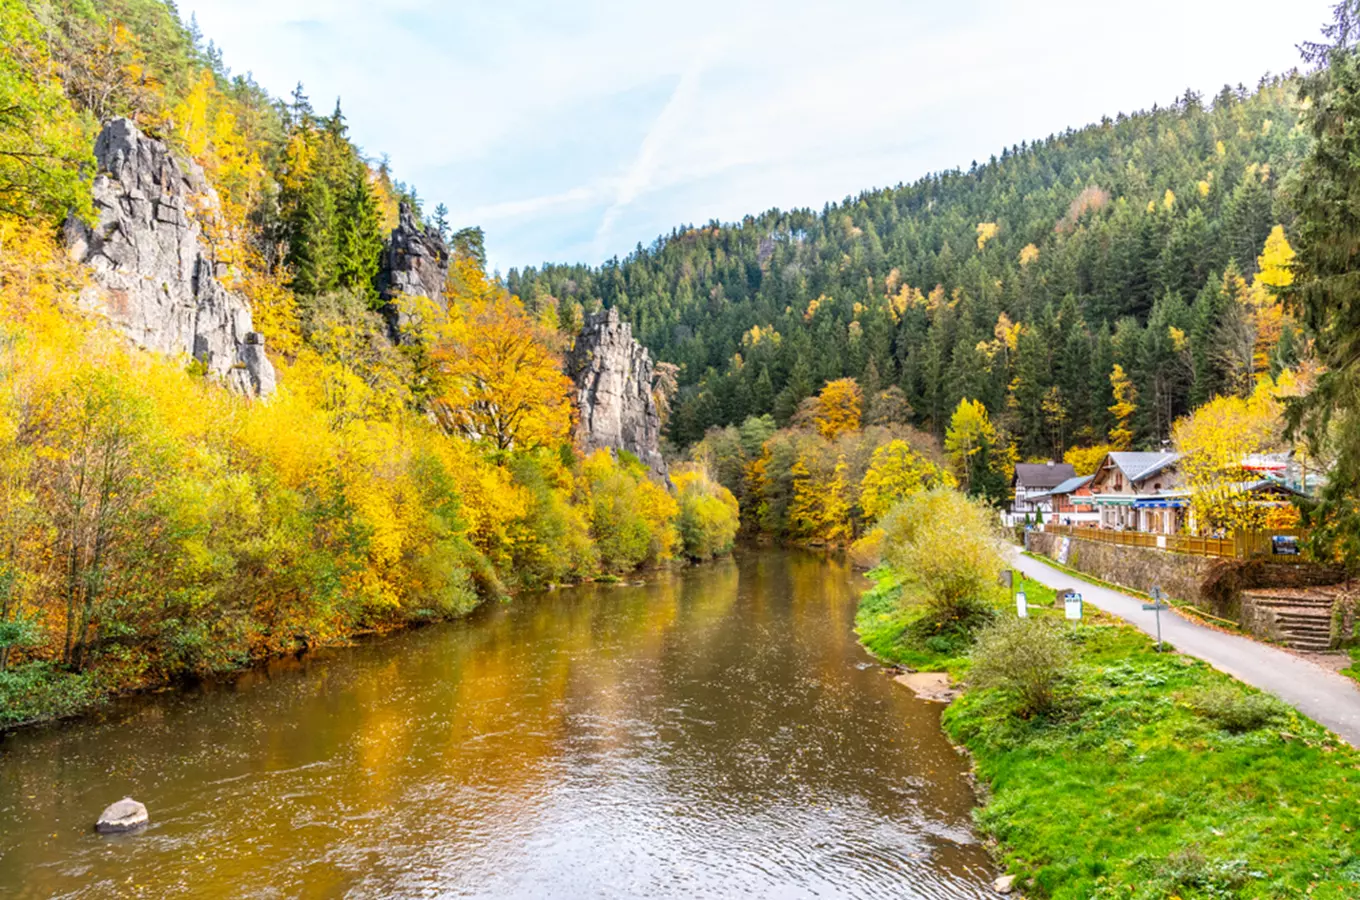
121,817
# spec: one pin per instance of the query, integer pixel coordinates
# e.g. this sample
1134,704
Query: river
713,732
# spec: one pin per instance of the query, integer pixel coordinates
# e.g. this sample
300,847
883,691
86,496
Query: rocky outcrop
155,279
415,263
613,375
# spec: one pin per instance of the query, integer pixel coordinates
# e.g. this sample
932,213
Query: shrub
1188,870
631,516
709,518
945,547
42,690
867,552
550,542
1235,710
1025,657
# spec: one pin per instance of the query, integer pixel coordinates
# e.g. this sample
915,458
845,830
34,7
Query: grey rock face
613,375
121,817
415,264
155,280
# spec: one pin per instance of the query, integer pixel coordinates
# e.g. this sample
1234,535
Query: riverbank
38,693
1153,776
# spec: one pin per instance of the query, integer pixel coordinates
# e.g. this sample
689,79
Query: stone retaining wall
1212,584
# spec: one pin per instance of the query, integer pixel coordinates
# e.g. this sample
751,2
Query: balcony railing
1240,546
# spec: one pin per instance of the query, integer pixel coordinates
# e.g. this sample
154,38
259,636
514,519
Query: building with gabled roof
1072,503
1033,481
1140,492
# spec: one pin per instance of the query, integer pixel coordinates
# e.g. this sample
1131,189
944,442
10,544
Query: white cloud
585,127
642,173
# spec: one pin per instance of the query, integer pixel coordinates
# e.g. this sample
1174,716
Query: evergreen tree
359,240
441,221
1325,289
312,239
470,243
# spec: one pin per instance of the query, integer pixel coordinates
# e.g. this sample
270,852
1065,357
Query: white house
1032,486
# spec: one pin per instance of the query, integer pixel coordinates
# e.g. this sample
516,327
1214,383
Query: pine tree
300,110
312,239
470,243
441,221
359,240
1247,218
1325,290
1206,316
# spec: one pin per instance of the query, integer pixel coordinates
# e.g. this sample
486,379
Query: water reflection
715,732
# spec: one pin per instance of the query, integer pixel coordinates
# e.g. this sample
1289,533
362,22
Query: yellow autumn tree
709,516
1214,443
498,379
1087,460
819,508
836,527
1125,405
632,517
839,408
980,458
897,471
1276,261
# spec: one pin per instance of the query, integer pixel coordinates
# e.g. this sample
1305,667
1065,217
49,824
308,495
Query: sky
573,130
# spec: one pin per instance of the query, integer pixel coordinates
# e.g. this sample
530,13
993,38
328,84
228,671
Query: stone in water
124,816
1004,885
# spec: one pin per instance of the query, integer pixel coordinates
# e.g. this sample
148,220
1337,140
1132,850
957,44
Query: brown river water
714,732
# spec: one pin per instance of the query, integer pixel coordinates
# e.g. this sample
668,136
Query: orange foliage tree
499,378
839,407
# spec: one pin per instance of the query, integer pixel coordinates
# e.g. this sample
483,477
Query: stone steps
1300,617
1292,615
1306,632
1321,603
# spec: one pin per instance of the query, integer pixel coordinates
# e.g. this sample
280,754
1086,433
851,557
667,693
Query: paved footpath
1322,695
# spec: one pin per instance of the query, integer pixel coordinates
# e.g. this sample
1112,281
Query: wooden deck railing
1239,546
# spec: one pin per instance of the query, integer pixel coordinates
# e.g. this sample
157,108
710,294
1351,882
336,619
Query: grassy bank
1153,776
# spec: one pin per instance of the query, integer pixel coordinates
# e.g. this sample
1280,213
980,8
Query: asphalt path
1320,694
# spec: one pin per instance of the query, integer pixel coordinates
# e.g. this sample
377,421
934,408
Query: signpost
1072,605
1157,606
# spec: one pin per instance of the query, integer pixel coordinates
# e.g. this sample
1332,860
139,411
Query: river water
715,732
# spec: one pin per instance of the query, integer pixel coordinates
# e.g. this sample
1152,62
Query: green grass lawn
1353,670
1154,777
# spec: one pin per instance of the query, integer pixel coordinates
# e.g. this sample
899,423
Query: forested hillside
1021,283
154,523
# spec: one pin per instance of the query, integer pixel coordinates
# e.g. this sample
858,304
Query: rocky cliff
415,264
613,375
155,279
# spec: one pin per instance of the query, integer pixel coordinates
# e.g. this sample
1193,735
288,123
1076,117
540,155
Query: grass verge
1154,776
1187,610
1353,670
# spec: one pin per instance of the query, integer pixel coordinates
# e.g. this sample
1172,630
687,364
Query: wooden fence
1240,546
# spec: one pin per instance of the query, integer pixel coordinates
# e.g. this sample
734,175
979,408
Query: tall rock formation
613,375
155,279
415,264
